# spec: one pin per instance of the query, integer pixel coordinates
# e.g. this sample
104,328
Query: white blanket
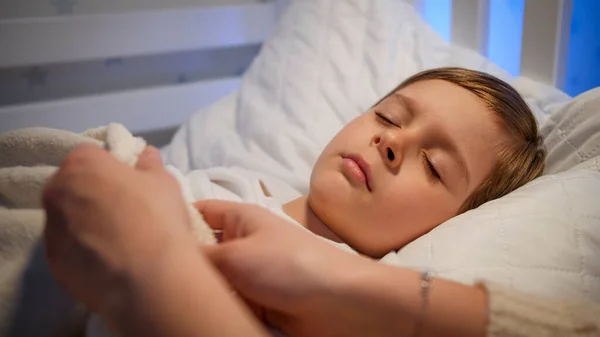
31,303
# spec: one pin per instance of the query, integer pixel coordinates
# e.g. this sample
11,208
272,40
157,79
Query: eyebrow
458,157
407,103
449,142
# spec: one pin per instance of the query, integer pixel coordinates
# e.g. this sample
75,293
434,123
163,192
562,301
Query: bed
323,62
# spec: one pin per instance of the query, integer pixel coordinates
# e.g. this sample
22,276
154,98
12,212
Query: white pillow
328,61
571,134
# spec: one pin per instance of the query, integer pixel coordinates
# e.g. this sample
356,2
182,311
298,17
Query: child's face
416,178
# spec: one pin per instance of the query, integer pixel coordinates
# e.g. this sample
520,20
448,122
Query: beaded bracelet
425,285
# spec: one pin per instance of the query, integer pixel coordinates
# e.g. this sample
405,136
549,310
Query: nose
391,148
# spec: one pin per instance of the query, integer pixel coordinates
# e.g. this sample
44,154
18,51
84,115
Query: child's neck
299,210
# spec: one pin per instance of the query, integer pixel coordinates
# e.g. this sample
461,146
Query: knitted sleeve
516,314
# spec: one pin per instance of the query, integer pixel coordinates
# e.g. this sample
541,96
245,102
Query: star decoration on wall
64,7
36,77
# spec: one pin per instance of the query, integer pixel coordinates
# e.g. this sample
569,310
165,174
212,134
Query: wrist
179,294
368,298
393,298
141,281
385,298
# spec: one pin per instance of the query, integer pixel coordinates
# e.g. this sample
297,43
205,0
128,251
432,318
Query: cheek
406,212
356,132
417,201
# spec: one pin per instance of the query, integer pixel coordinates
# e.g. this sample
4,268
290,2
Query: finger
55,239
149,159
235,220
213,253
281,321
217,254
54,232
80,164
221,215
255,309
224,256
85,154
51,192
88,159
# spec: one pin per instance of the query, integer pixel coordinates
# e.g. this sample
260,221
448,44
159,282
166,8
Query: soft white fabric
239,185
572,133
328,61
31,303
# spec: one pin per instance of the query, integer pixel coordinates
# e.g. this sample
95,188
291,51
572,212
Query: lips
358,169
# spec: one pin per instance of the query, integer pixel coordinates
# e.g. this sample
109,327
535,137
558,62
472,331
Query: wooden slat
470,24
84,37
545,43
140,110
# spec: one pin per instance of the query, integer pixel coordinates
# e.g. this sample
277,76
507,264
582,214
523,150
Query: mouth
358,169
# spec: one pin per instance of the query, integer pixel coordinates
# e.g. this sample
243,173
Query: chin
326,188
327,195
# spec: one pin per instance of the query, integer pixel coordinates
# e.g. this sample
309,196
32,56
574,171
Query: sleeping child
441,143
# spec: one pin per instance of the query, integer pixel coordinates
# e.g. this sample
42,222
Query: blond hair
522,158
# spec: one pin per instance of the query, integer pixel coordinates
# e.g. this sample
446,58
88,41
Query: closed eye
429,167
384,119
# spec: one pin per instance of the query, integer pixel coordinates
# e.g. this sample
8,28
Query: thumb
235,220
226,258
281,321
149,159
215,254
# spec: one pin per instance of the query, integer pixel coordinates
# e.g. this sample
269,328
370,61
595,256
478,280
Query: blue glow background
506,26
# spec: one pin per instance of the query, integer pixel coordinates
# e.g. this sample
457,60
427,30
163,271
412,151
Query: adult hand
307,287
107,221
289,273
119,240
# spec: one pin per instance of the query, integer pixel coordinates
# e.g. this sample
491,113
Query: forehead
438,94
454,112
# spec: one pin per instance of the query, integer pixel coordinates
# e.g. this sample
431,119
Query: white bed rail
470,23
60,39
44,40
142,111
545,39
87,37
545,43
